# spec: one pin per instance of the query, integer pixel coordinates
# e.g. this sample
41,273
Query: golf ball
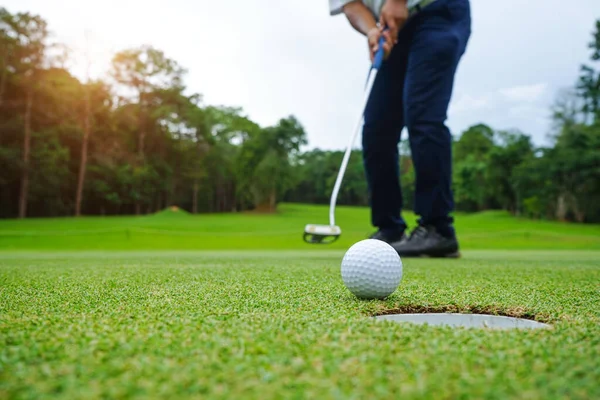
371,269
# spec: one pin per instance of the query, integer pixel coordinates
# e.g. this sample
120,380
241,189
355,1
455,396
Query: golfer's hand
394,14
373,36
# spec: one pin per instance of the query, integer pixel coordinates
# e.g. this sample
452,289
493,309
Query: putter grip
378,59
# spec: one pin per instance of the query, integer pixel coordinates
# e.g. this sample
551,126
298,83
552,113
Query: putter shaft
338,181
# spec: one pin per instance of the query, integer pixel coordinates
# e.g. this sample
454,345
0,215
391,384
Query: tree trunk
233,197
579,215
561,208
221,197
141,139
7,54
167,194
23,193
272,201
216,198
173,190
142,127
84,147
3,79
195,198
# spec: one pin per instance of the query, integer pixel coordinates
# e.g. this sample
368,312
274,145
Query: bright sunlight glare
94,32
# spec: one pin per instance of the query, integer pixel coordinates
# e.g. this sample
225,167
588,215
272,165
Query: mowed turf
282,325
169,230
260,314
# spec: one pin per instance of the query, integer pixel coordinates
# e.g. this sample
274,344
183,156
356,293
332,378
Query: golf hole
465,320
452,317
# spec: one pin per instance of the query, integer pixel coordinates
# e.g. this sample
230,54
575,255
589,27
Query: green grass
282,231
260,314
281,325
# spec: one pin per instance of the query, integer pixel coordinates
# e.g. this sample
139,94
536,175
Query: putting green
278,324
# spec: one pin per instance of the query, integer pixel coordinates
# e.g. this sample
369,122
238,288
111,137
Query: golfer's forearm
360,17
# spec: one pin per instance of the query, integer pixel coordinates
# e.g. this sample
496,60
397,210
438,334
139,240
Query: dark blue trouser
413,89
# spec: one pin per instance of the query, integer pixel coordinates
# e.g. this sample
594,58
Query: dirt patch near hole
516,312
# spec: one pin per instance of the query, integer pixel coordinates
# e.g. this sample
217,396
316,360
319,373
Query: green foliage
316,171
514,148
533,181
576,170
24,41
407,182
9,163
145,69
153,147
477,142
47,189
152,144
264,168
588,85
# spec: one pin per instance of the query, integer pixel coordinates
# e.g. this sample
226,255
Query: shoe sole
449,255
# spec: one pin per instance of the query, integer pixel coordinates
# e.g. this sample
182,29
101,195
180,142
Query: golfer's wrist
360,17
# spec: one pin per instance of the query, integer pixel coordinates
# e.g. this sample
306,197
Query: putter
326,234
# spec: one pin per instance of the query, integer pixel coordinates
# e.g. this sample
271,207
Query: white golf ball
371,269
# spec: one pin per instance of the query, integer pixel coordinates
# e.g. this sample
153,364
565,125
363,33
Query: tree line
137,142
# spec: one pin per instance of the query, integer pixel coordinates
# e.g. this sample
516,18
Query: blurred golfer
412,89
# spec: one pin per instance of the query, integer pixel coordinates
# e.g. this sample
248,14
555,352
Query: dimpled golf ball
371,269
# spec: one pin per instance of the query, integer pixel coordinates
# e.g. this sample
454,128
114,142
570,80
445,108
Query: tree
24,37
589,81
513,148
471,155
142,71
534,181
195,149
139,143
576,172
566,111
264,163
87,127
232,134
476,141
150,77
7,46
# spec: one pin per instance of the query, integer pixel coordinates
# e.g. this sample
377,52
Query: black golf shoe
389,238
425,241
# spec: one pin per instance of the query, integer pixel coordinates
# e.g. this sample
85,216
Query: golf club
326,234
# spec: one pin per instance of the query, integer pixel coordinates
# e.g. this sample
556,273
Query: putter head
321,234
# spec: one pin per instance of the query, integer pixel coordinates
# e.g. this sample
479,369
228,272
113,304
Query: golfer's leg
383,122
439,40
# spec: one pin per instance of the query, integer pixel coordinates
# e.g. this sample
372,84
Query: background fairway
282,325
179,230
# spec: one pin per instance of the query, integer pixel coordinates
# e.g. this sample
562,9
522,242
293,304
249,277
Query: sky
277,58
